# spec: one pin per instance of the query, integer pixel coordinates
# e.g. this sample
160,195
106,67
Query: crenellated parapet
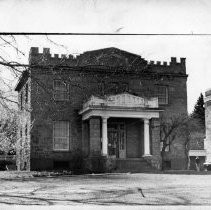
173,62
46,58
110,57
169,67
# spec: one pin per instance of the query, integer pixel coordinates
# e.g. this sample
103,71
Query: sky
119,16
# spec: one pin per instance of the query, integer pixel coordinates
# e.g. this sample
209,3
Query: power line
105,34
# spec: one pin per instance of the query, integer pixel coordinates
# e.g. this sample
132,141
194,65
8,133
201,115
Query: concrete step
133,166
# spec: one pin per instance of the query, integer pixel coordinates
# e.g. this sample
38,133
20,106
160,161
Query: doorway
117,140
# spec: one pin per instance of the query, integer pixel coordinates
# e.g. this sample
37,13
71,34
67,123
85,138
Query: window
125,87
167,149
61,135
162,94
61,90
113,87
117,87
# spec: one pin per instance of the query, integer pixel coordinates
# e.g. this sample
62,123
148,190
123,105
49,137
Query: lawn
108,189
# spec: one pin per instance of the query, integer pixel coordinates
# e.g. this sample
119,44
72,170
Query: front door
116,140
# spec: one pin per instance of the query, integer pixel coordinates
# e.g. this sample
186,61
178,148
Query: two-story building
103,107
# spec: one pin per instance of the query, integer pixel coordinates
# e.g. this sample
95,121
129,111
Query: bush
99,164
3,164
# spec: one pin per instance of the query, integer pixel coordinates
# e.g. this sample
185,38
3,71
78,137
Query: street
112,189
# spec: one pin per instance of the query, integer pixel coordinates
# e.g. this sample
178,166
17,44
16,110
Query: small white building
207,142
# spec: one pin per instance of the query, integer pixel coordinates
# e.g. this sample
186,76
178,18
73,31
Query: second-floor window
162,94
117,87
61,90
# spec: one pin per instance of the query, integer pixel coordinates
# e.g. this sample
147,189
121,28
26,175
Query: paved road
124,189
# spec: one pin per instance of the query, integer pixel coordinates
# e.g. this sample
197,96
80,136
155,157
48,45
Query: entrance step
133,165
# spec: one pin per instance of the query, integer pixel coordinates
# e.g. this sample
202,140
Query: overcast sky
119,16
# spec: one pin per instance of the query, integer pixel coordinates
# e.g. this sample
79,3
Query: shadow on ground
133,196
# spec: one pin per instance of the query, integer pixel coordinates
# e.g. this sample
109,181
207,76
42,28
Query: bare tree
8,131
172,128
176,127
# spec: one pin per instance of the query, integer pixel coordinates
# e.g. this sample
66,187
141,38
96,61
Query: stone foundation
99,164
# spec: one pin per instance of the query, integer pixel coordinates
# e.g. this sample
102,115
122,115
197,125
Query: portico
115,112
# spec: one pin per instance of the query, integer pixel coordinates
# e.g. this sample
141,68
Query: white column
104,136
146,138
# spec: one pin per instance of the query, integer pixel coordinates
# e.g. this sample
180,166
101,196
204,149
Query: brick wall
135,138
95,136
155,137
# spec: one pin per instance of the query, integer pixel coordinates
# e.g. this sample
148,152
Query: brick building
103,107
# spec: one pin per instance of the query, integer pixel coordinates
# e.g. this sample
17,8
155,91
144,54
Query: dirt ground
107,190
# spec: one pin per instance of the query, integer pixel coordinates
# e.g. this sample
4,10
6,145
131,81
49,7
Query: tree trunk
162,160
